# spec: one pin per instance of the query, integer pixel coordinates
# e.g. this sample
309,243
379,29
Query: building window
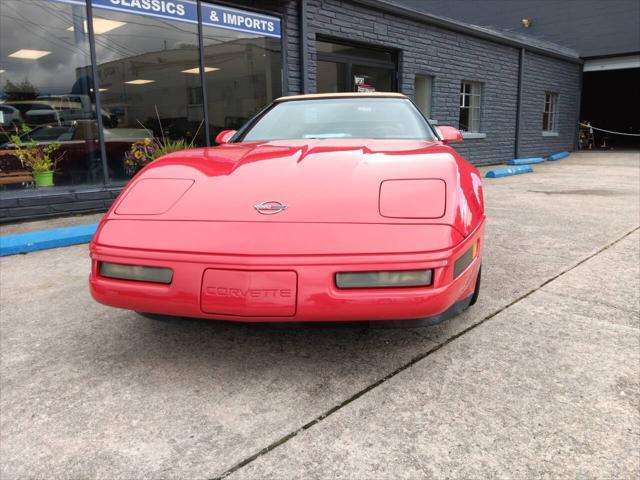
148,66
354,68
423,87
47,96
243,73
148,72
470,106
550,113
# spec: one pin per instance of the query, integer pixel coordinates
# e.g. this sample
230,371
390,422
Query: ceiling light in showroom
139,81
101,25
29,54
197,70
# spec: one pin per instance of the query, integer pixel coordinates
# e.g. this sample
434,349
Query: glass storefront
148,71
46,91
242,75
149,79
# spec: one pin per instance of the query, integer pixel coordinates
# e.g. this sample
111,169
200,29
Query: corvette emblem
270,208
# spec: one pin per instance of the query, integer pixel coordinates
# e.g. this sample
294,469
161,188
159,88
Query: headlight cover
153,196
413,198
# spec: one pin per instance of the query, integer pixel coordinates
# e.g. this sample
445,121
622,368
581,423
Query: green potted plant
141,153
40,159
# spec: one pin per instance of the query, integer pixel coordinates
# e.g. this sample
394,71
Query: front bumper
317,298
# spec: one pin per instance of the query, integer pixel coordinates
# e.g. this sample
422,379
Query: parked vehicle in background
9,116
59,109
36,112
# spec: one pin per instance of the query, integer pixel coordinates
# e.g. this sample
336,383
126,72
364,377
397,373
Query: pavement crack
410,363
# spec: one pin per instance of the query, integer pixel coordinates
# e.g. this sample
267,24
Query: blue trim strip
504,172
45,239
558,156
525,161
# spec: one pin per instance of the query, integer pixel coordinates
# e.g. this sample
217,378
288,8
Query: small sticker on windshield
326,135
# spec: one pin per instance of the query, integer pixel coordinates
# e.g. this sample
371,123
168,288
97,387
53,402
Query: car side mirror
449,134
224,136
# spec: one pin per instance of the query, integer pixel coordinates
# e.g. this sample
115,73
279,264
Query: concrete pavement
539,379
541,390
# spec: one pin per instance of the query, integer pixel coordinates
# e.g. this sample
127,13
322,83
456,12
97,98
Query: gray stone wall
542,74
451,58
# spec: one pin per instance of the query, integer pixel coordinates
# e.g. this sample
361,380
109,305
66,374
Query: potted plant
140,154
40,159
144,152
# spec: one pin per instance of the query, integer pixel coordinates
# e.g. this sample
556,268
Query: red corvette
332,207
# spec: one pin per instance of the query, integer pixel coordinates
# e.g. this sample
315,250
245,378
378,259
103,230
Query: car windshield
45,134
379,118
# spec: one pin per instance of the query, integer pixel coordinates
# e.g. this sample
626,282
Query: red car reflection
335,207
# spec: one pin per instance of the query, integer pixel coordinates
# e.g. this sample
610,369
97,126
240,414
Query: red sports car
331,207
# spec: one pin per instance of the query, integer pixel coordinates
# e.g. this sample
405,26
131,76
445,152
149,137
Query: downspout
302,13
516,146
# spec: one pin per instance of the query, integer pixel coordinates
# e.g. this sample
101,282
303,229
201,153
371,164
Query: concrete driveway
539,379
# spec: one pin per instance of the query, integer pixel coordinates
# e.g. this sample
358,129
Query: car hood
324,180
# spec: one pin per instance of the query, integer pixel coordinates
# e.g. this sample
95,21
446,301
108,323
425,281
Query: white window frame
550,113
424,94
471,99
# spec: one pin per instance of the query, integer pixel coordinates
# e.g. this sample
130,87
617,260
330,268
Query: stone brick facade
452,57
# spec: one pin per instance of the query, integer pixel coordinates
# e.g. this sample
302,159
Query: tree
24,90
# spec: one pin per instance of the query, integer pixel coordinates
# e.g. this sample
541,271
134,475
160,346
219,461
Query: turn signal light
136,273
465,260
384,279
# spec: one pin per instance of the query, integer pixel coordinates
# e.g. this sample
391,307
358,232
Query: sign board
187,11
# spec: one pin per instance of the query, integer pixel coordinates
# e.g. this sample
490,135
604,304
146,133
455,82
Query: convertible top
320,96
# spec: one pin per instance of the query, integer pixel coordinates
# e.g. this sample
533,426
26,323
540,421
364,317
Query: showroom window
550,112
470,101
423,89
148,71
243,73
47,97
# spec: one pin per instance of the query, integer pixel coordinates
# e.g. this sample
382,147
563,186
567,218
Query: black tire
476,291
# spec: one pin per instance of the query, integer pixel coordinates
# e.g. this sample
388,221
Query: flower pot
43,179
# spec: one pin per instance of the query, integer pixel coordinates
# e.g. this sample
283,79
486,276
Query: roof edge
532,44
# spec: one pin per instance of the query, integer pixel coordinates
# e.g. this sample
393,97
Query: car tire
476,291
